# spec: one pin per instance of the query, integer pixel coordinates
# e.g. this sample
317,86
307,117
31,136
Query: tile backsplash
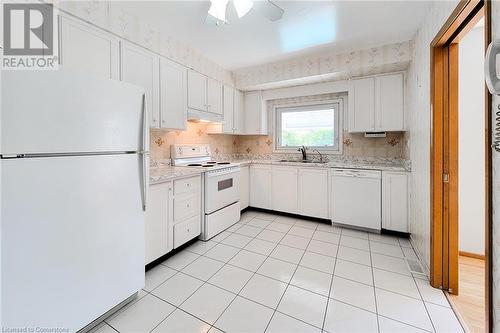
393,146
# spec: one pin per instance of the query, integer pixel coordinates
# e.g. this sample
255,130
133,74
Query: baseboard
420,257
472,255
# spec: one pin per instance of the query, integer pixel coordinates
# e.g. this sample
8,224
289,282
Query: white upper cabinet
239,116
361,100
204,97
313,192
173,95
376,104
284,189
140,67
88,50
255,114
395,201
389,99
214,96
228,124
197,91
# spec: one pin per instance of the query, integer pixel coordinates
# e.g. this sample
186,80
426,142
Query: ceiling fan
217,14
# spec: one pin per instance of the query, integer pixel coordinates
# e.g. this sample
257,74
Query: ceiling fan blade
269,9
213,21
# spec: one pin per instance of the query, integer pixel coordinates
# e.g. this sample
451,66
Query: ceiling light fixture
218,10
242,7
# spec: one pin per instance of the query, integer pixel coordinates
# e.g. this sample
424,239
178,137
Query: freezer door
62,112
72,238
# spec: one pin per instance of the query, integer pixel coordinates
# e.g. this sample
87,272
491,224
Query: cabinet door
173,95
389,115
361,98
197,91
255,114
395,201
313,193
238,121
157,225
284,189
260,186
214,96
140,67
87,50
244,187
228,125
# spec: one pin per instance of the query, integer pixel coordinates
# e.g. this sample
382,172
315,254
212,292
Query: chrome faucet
320,155
303,151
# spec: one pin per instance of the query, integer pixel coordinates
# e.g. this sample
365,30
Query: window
316,126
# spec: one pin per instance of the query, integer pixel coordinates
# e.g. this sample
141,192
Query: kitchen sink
302,161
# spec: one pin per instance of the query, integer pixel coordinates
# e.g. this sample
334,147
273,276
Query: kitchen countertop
372,165
163,173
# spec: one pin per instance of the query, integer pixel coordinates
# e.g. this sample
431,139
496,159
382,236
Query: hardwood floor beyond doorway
470,303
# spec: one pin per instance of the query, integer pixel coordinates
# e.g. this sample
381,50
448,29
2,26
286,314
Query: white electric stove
221,186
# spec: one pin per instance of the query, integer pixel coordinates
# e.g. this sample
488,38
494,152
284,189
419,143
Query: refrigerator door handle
145,153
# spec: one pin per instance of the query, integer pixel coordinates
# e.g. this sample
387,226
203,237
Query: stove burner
194,164
208,166
221,163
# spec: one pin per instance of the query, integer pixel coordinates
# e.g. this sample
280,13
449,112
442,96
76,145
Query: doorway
450,154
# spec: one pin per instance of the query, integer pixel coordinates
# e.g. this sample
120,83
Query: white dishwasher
357,198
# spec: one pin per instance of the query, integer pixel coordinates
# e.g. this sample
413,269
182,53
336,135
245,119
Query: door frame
444,150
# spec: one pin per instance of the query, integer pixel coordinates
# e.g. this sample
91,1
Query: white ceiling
306,26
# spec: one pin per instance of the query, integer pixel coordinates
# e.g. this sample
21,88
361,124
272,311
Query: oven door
222,188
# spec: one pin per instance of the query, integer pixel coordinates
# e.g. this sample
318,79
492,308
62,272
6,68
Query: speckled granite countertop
372,165
162,174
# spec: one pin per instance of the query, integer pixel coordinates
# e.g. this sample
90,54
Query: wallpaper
496,190
112,17
393,146
383,59
418,94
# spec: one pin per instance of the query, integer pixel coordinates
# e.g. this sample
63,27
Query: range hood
204,116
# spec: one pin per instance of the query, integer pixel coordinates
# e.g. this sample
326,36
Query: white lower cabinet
313,192
157,225
260,186
173,216
187,210
186,230
395,201
284,189
244,187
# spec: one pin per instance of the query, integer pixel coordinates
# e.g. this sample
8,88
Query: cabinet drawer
186,205
186,230
187,185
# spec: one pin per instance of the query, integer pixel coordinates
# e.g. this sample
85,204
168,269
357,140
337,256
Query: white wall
418,93
471,182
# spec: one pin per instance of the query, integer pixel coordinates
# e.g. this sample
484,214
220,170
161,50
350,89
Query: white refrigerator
74,178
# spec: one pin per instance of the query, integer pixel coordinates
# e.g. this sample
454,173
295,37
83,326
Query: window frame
309,106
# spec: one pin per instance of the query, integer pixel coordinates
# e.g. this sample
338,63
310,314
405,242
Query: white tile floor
271,273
